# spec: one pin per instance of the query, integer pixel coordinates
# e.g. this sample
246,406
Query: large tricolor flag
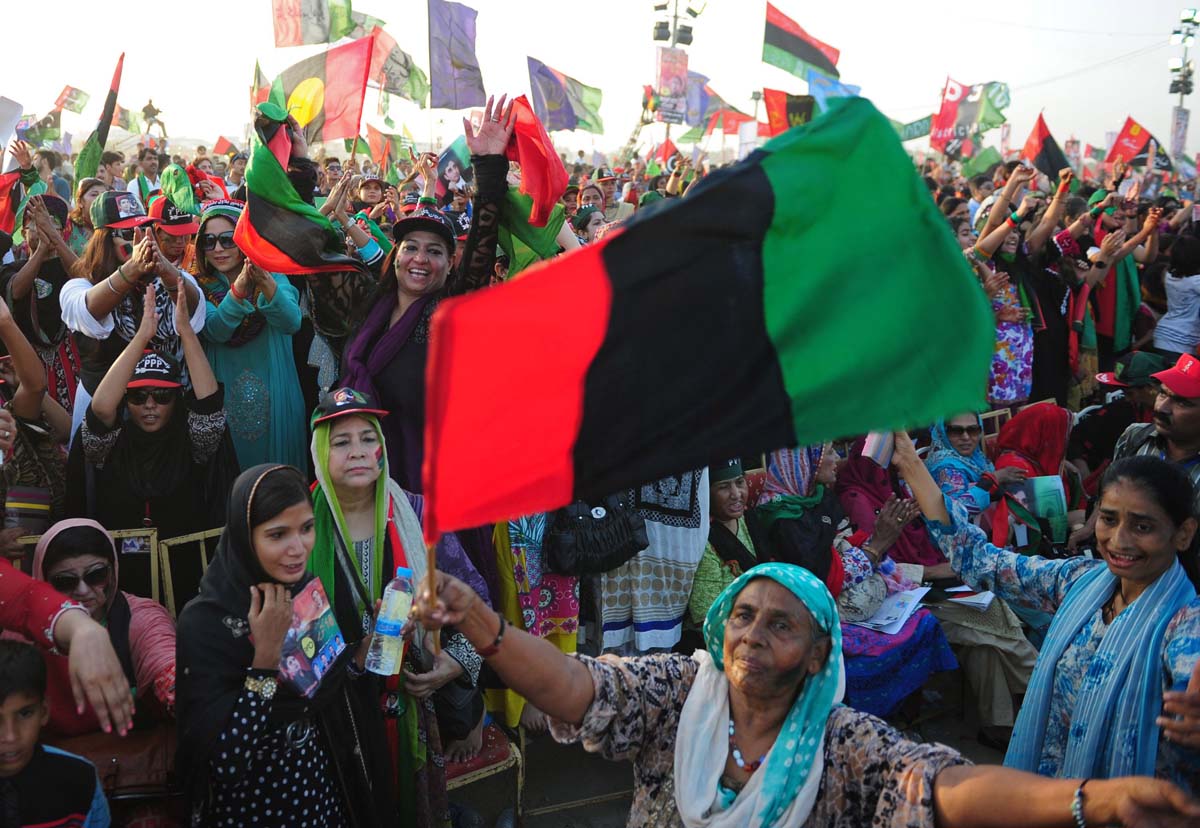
788,46
561,102
457,82
324,93
280,232
699,333
311,21
1044,151
89,157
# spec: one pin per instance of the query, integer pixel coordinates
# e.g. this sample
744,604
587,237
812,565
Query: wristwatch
264,686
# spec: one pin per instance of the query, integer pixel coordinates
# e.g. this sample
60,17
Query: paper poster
894,611
313,642
672,85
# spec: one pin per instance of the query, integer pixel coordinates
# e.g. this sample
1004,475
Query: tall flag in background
698,96
562,102
543,176
785,111
788,46
760,375
89,157
325,92
311,21
824,89
1044,151
363,25
260,88
127,119
966,111
1133,147
224,146
457,80
72,99
383,145
393,70
280,232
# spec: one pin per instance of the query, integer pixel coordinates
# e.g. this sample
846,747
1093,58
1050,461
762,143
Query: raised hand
495,130
1180,721
22,155
149,324
270,616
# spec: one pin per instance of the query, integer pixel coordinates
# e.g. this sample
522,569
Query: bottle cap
404,571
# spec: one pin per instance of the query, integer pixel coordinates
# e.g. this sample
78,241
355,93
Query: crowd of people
156,378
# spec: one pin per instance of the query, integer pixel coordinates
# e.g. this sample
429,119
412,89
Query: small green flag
525,244
987,158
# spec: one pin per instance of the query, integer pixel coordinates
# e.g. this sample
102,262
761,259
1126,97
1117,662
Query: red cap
1184,378
171,219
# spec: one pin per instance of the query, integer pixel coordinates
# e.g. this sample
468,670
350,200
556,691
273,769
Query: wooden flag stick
431,584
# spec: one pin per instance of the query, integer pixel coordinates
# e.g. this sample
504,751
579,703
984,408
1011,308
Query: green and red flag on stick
89,157
694,334
543,176
1133,147
260,88
325,92
788,46
1044,152
280,232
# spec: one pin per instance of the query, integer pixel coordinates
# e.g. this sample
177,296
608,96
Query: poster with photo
313,641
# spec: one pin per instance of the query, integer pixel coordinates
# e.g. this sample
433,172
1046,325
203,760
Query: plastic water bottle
387,647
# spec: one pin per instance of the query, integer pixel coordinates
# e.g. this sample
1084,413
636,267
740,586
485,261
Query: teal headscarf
803,731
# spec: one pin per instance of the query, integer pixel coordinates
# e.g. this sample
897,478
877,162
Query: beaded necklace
748,767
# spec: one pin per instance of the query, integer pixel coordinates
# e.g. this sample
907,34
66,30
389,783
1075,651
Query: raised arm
553,682
29,368
103,296
204,383
1054,212
106,402
488,147
1019,178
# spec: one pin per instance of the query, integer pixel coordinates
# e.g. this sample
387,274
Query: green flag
525,244
983,161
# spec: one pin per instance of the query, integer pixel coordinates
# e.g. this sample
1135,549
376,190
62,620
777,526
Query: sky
1084,71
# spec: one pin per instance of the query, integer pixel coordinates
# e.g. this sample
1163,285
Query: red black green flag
697,333
1043,151
788,46
324,93
280,232
260,88
89,156
785,111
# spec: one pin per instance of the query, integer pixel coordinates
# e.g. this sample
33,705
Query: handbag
458,705
141,762
589,539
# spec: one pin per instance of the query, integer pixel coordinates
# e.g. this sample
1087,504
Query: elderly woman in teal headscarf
749,732
959,466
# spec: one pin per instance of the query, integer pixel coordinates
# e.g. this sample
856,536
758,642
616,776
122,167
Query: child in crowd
39,785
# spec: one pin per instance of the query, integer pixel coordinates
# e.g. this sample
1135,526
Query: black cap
342,402
429,221
155,370
725,470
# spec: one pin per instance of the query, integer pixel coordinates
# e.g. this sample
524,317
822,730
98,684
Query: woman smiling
1124,645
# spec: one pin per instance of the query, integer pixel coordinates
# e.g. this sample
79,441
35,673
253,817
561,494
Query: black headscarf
214,652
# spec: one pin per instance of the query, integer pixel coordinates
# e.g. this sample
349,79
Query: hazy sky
1086,65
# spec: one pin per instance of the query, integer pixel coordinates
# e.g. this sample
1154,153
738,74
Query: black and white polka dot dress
267,775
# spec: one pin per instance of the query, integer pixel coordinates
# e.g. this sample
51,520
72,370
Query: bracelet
427,200
491,649
1016,218
1077,806
1010,222
234,291
1100,264
121,273
108,282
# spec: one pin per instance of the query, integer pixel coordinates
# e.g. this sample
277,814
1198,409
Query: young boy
39,785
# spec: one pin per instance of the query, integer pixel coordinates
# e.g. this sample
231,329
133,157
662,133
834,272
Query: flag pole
431,583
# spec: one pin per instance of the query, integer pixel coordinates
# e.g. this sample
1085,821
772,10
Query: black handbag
588,539
458,705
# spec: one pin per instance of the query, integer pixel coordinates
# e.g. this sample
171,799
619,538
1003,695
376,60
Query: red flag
8,200
260,89
223,146
378,145
666,151
543,176
1129,143
1043,150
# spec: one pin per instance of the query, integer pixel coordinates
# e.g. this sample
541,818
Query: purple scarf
362,363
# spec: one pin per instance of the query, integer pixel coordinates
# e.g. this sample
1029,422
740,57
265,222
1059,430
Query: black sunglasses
958,431
68,582
125,234
162,396
209,242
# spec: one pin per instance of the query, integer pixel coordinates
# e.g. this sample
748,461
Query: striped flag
562,102
788,46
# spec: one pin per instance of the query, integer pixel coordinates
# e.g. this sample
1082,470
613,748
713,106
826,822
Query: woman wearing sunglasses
251,317
103,304
961,468
154,450
78,558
